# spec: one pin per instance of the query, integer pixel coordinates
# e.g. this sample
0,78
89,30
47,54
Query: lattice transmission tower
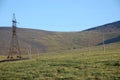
14,45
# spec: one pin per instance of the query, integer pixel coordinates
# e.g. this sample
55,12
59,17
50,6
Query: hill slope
45,41
111,27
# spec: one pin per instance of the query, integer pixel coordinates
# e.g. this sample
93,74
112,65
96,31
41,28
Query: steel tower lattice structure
14,45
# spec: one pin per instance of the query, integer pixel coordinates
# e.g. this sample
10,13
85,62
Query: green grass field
68,65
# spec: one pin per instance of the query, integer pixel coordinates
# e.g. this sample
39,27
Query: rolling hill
48,41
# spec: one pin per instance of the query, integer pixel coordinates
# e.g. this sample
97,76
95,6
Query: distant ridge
112,40
111,27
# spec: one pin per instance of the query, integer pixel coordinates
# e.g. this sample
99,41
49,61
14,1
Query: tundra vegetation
77,64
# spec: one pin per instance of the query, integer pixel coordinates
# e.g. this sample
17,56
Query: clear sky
59,15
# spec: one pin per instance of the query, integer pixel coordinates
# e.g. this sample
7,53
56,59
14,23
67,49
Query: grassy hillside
52,41
78,64
69,55
47,41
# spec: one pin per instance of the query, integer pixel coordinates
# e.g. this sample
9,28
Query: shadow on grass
9,60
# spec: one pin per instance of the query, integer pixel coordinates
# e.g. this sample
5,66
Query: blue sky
59,15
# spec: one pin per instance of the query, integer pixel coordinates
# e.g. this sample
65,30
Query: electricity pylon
14,45
103,42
